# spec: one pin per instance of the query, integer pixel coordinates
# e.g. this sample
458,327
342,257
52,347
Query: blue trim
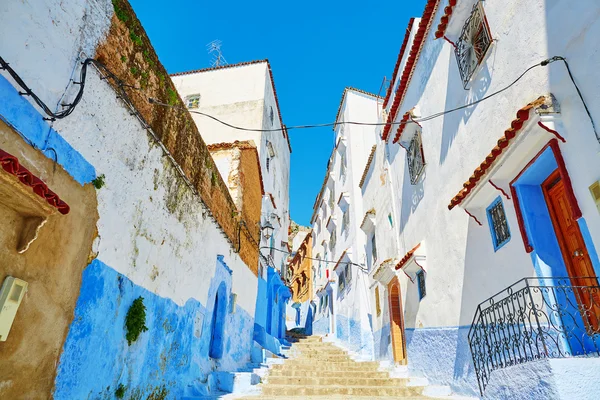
491,224
19,114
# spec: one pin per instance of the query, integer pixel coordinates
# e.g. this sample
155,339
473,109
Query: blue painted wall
18,113
172,354
271,300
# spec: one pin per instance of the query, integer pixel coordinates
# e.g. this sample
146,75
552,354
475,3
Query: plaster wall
29,354
155,236
243,96
462,268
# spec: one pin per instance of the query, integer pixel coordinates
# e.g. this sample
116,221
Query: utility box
11,294
595,190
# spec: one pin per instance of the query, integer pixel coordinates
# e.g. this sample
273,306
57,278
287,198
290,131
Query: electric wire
361,266
122,85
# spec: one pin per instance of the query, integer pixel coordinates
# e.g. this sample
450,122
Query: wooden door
577,260
397,322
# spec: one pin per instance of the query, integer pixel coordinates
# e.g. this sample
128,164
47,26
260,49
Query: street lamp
267,230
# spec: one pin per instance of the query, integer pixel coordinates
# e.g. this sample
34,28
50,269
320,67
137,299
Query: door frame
398,358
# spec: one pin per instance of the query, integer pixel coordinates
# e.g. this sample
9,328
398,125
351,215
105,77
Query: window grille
473,44
348,273
416,160
377,303
193,101
346,221
374,247
421,282
271,115
332,240
498,223
268,163
342,283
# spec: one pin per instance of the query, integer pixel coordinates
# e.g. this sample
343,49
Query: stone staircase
320,370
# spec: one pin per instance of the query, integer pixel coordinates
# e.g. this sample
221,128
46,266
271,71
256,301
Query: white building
243,95
342,303
484,196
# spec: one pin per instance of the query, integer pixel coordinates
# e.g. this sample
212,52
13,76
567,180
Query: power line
361,266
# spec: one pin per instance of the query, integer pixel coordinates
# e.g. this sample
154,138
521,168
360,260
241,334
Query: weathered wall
301,278
156,233
52,266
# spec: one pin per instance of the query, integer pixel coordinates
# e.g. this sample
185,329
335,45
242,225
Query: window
421,283
374,248
377,303
498,224
416,161
268,163
348,273
271,115
331,199
320,269
343,166
332,240
346,221
193,101
391,221
342,282
474,42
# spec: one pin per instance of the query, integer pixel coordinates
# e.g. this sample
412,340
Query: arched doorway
397,322
218,323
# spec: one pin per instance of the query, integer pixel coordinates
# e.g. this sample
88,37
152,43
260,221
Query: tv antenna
214,48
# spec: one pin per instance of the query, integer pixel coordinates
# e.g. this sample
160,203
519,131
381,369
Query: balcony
534,319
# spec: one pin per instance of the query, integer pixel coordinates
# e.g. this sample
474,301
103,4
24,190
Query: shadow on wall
415,193
172,357
457,96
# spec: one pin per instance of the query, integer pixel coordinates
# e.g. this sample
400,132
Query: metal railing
533,319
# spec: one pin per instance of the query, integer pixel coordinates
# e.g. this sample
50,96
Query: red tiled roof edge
441,29
368,166
340,259
503,143
11,165
350,88
272,200
411,63
400,57
407,257
407,115
242,64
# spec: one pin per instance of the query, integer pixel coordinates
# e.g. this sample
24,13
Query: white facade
455,253
243,95
337,236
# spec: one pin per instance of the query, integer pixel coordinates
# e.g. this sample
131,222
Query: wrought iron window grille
421,283
534,319
498,223
473,43
416,160
193,101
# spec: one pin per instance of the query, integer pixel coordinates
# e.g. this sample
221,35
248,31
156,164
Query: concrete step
336,381
327,374
293,390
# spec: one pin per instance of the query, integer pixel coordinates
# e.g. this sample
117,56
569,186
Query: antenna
214,48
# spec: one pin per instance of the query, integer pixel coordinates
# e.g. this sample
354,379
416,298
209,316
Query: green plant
135,321
135,38
120,392
134,70
120,13
172,97
123,59
98,182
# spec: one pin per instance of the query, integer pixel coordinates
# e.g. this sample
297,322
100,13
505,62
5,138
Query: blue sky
316,49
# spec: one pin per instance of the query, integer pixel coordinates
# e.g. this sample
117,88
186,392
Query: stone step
322,357
337,367
293,390
327,374
330,397
299,363
336,381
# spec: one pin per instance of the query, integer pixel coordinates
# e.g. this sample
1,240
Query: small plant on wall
135,321
120,392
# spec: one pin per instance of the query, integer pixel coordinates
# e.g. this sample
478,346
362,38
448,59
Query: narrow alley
401,202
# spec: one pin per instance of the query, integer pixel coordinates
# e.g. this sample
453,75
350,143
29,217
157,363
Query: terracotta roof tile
441,28
11,165
411,63
398,61
407,257
502,144
369,161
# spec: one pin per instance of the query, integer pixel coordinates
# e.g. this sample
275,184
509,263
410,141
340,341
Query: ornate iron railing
535,318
